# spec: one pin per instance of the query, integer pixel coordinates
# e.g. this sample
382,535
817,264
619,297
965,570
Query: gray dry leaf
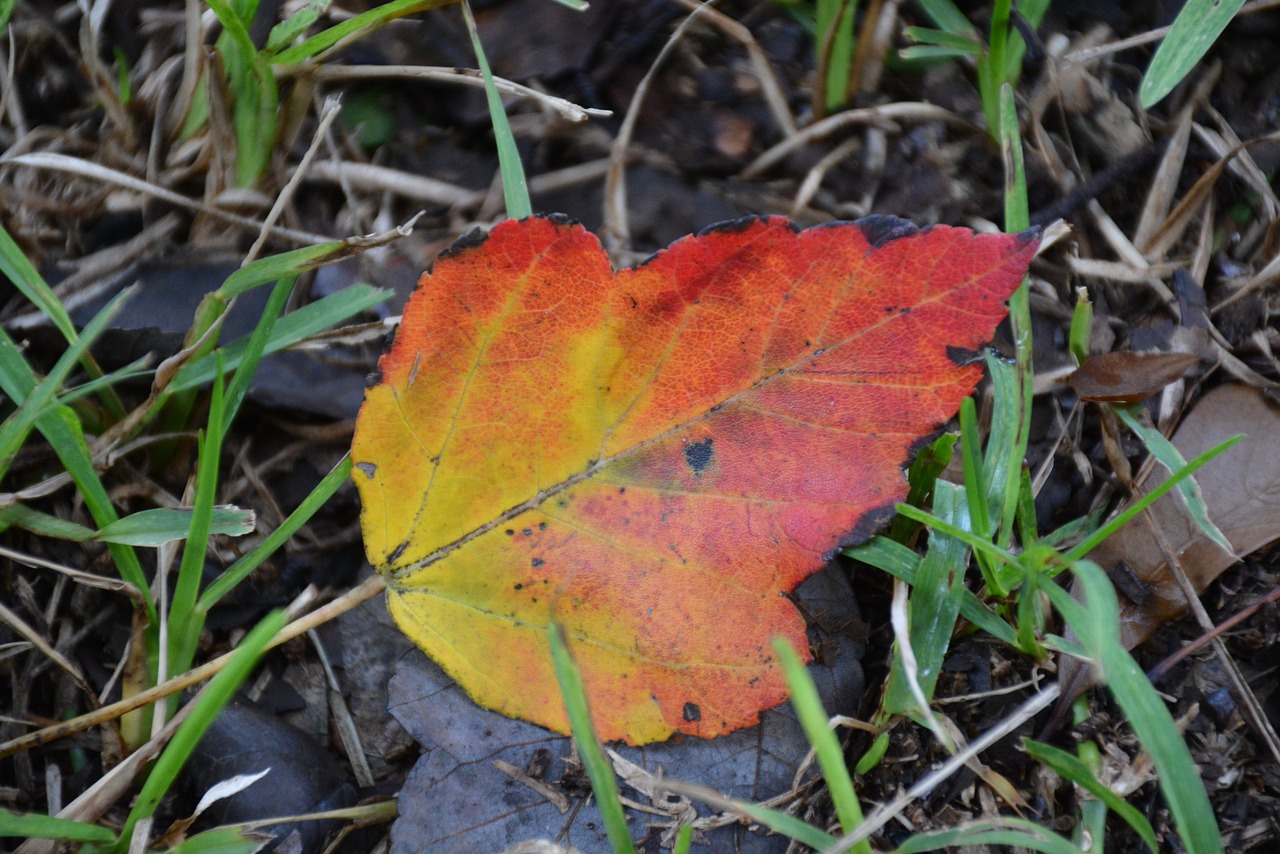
1241,489
457,799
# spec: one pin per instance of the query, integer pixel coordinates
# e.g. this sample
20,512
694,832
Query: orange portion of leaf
655,457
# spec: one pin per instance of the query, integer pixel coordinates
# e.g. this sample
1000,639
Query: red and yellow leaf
656,457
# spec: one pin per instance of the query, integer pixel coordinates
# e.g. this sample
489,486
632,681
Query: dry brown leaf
1242,491
1127,377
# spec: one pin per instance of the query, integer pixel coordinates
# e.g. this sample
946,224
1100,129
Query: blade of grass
253,85
241,569
254,348
62,430
1194,31
947,16
825,744
149,528
901,562
1070,768
1131,512
779,822
223,840
925,469
185,623
975,486
160,525
514,188
1016,832
207,705
15,266
934,605
42,524
37,402
33,826
353,28
1016,220
1097,624
1164,451
1081,327
296,326
598,769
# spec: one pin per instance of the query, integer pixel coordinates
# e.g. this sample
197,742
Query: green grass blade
1072,769
241,569
160,525
16,268
62,430
603,783
1097,624
289,330
206,707
1194,31
684,839
958,45
934,605
947,16
275,267
834,43
968,537
515,189
1164,451
925,469
42,524
253,85
815,722
39,400
34,826
283,33
901,562
1009,831
254,348
1081,327
1131,512
353,28
223,840
185,622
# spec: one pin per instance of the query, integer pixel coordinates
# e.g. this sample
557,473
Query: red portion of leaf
653,458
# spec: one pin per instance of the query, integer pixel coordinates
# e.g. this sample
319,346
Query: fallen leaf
1242,491
655,457
457,799
1127,377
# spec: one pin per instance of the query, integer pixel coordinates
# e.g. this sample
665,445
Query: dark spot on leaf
730,226
537,562
472,239
880,229
395,555
528,532
372,379
692,712
963,356
519,587
542,526
510,532
621,490
558,218
698,454
370,469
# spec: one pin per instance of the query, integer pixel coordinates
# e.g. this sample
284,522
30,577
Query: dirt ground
1174,236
